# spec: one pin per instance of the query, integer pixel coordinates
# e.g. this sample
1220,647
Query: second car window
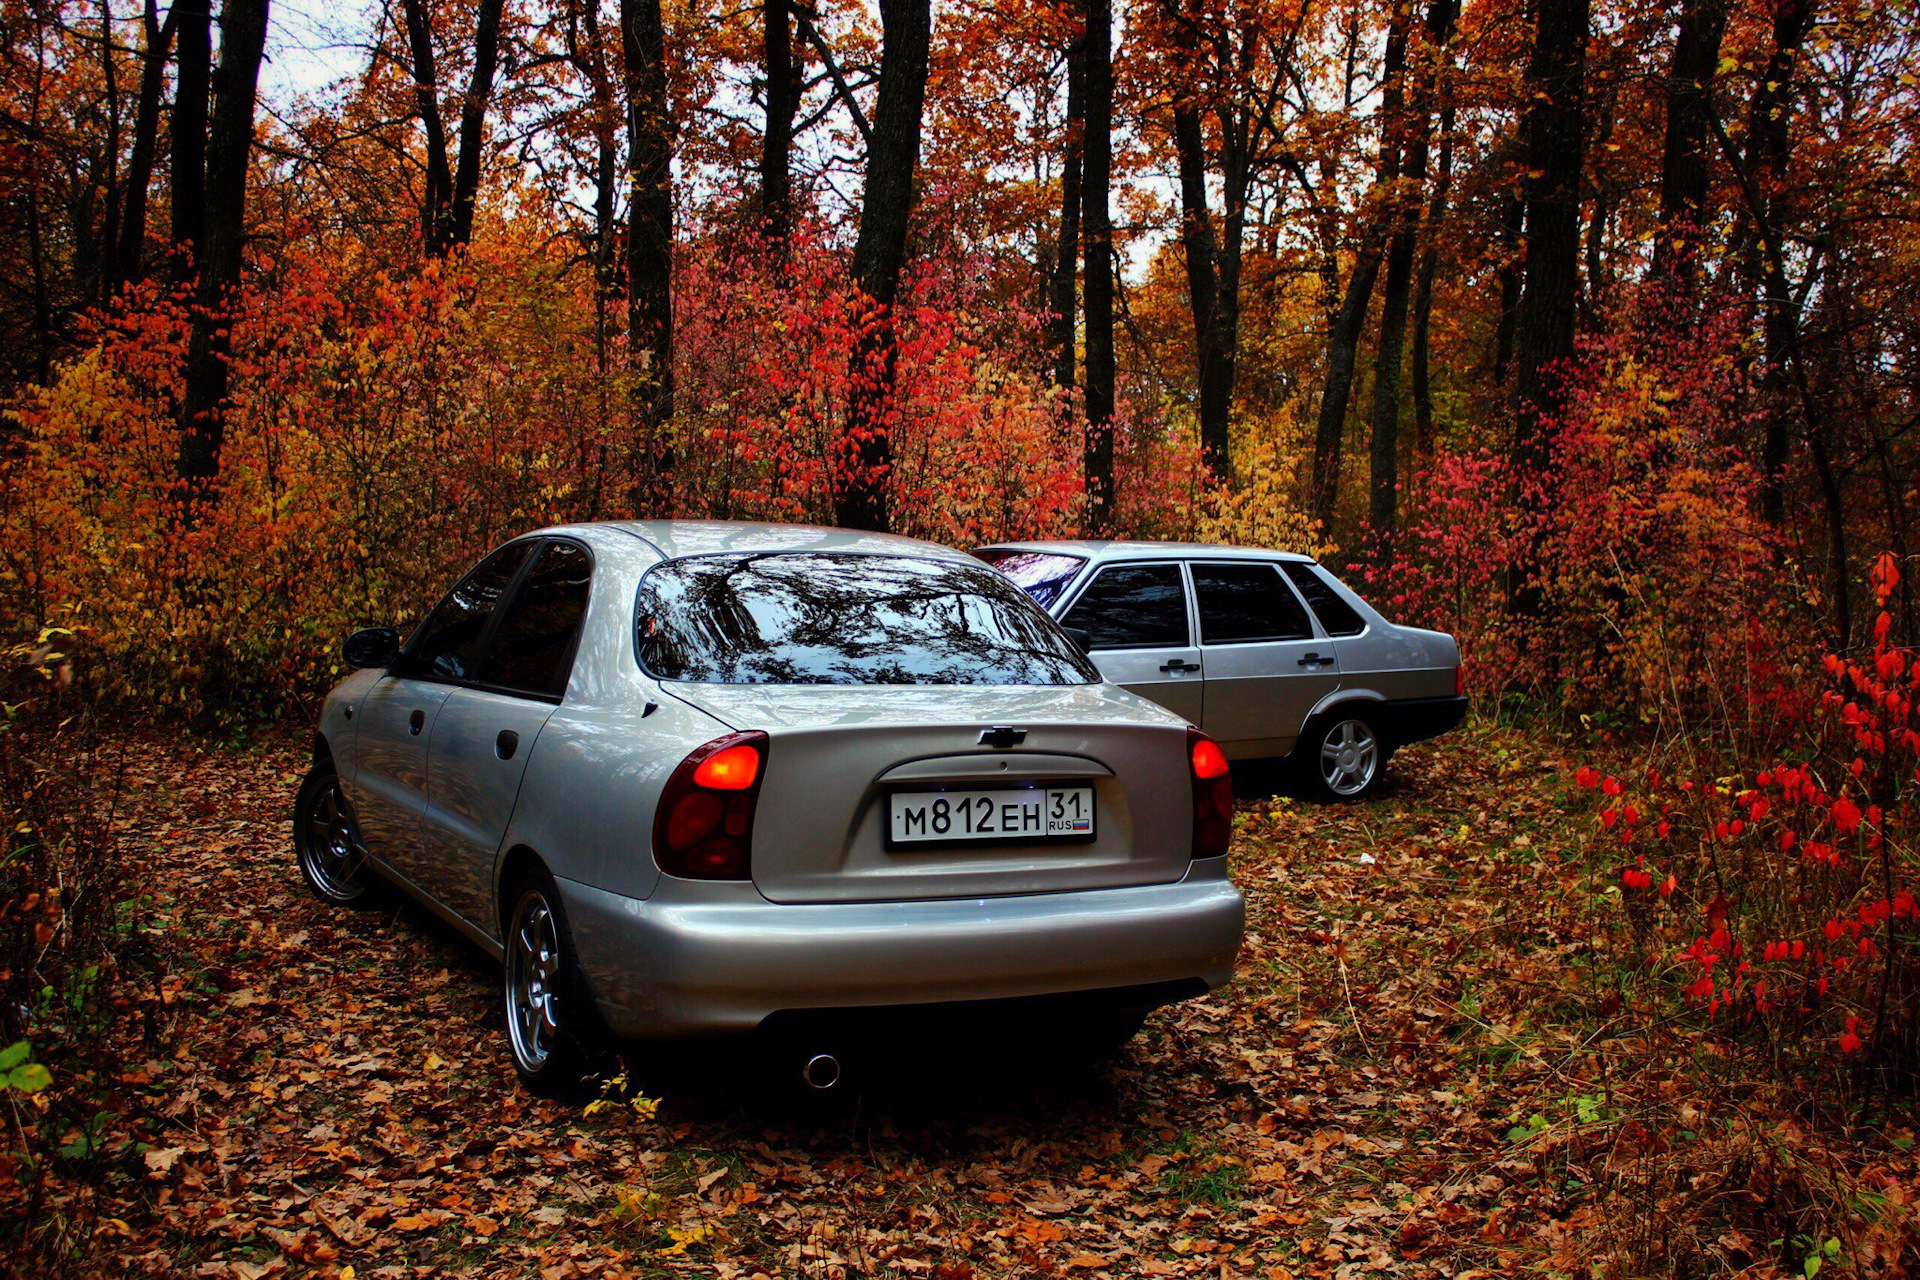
1133,606
449,640
1241,603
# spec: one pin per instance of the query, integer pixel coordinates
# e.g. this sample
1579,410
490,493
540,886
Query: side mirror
1081,637
371,647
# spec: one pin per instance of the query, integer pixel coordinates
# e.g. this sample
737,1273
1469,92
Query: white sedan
687,778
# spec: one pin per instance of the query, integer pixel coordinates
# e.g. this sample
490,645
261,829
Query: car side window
1133,606
1335,614
447,645
1242,603
532,649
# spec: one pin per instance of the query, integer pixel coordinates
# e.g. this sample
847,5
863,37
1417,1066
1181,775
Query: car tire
326,842
1344,757
548,1015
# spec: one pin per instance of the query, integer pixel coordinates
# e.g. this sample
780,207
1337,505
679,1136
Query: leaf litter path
336,1094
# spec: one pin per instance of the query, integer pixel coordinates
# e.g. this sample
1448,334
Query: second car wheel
326,842
1345,757
545,1003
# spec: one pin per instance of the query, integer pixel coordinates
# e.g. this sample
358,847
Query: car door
1266,667
401,714
487,729
1140,632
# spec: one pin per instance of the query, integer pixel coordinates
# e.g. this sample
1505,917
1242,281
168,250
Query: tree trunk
1549,291
1408,163
1066,261
243,34
473,126
1098,453
1343,337
1684,167
1203,279
146,142
188,181
426,98
650,252
1513,213
1429,258
1769,148
879,252
783,104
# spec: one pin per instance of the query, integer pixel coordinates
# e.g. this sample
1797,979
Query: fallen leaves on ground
1408,1078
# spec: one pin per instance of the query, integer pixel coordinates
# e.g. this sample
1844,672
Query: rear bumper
661,969
1417,719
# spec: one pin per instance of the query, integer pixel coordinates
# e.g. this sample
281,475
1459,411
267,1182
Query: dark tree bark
473,127
1549,291
783,104
1684,167
446,206
243,34
106,267
1513,215
1098,452
1343,337
1549,294
1411,128
1769,148
131,250
188,180
1066,262
879,252
426,97
1429,256
650,251
1203,277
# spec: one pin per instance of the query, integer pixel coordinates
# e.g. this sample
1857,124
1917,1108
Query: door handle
1178,665
416,722
1314,660
506,744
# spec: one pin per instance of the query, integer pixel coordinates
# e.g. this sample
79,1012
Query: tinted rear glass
821,618
1133,606
1241,603
1041,574
1335,614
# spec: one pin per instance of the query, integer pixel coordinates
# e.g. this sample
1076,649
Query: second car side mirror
1081,637
371,647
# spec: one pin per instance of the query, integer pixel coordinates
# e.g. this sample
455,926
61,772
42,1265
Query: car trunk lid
837,755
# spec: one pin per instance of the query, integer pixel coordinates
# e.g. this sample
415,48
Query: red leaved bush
1778,900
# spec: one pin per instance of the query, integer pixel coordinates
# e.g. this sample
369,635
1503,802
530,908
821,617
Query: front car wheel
326,841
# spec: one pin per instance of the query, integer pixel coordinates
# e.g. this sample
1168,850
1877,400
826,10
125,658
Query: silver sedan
687,778
1266,651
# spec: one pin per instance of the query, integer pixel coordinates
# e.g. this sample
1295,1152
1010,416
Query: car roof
675,538
1117,548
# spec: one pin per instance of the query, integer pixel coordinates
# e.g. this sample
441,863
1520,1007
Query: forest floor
1411,1076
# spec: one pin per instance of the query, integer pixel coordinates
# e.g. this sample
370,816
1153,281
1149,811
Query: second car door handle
506,744
416,722
1314,660
1178,665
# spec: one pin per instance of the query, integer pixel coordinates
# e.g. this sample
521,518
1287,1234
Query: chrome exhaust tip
821,1072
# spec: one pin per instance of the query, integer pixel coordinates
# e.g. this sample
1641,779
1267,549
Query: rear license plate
1026,814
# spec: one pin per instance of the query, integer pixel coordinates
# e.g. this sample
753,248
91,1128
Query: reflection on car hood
771,706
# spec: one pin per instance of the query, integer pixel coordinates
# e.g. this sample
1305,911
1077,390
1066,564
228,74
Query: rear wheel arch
516,867
322,749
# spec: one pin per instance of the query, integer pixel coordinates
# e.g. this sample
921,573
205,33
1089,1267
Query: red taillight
1212,795
703,828
1460,679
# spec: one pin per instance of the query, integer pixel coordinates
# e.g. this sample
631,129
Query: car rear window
1243,603
825,618
1041,574
1335,614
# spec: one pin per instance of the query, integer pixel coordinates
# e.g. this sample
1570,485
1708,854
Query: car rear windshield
1041,574
825,618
